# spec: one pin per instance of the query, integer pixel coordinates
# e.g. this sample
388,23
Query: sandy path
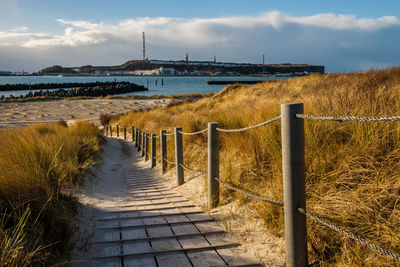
129,201
22,113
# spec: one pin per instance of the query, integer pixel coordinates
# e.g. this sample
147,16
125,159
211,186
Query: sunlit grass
37,164
352,167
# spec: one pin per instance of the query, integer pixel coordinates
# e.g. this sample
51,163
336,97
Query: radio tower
144,48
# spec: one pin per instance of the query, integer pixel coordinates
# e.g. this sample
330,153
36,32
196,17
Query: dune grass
352,168
37,165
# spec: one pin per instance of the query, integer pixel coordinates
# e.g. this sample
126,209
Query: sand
46,111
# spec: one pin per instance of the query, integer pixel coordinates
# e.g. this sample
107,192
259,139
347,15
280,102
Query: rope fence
198,173
350,235
347,118
169,134
270,200
170,162
194,133
293,170
250,127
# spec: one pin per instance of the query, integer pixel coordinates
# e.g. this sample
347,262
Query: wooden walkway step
155,226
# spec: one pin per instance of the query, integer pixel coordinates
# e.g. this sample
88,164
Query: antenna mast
144,48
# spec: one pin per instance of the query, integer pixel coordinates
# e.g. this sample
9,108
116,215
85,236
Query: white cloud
342,42
19,29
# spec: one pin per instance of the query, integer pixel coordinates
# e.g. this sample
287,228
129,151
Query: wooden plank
114,262
130,222
110,250
154,215
238,257
161,237
233,256
149,225
198,258
107,235
173,260
143,252
150,209
145,261
177,218
133,234
136,247
208,226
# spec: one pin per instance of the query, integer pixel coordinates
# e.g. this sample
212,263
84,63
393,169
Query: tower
144,48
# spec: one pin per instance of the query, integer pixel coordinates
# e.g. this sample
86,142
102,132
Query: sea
157,85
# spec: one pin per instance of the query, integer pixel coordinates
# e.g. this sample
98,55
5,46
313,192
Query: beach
19,113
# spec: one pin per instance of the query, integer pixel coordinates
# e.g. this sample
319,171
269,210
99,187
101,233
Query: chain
194,133
348,118
192,171
250,127
350,235
274,201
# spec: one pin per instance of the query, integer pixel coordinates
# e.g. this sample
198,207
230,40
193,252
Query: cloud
341,42
19,29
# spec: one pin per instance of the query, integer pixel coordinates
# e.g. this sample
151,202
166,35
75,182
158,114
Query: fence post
143,142
139,139
293,169
117,130
124,132
110,131
163,146
146,145
136,137
153,150
106,130
213,164
179,156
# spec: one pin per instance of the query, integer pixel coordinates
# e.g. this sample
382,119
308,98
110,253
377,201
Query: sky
344,36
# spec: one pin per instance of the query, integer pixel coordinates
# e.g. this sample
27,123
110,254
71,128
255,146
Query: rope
274,201
250,127
167,134
170,162
198,173
347,118
194,133
350,235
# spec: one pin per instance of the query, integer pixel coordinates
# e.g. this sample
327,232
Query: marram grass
37,164
352,168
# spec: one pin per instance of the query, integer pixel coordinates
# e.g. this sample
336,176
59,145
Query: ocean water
172,84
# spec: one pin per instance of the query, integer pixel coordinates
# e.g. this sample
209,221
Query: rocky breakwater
114,88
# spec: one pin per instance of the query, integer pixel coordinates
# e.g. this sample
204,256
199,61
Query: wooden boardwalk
153,225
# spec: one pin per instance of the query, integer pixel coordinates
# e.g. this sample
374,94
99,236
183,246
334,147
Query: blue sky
343,35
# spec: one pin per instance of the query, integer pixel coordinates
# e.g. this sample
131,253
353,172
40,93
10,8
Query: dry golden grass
352,167
37,164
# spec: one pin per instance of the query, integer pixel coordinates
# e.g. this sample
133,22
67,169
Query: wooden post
213,165
110,130
136,137
153,150
124,132
133,133
143,143
179,156
139,139
106,130
163,146
293,168
117,130
146,146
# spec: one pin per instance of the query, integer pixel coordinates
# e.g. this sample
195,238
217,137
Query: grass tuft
37,164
